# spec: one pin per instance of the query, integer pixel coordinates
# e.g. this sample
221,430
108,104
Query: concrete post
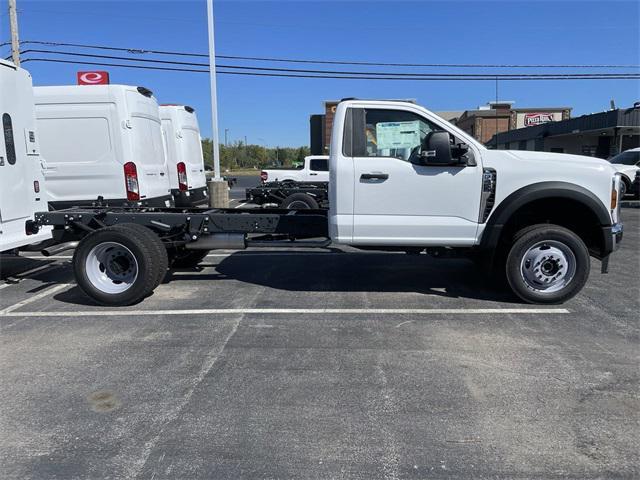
218,193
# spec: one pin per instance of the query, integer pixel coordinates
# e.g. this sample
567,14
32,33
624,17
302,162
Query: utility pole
218,190
13,25
214,94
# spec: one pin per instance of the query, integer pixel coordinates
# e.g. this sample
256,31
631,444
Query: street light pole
13,25
214,95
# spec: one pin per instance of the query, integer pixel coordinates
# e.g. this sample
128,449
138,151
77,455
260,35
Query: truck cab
402,178
315,168
22,190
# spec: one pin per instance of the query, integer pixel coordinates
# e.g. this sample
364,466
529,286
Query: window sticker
398,134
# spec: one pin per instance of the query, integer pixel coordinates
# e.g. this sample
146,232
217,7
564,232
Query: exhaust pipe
56,249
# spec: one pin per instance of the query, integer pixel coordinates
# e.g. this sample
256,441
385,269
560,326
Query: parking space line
283,311
46,292
241,205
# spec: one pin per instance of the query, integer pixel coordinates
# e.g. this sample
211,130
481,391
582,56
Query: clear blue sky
275,111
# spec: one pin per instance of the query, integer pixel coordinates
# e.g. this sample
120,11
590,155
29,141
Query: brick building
497,117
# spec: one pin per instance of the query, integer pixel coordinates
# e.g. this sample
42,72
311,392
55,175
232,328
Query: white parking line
286,311
46,292
241,205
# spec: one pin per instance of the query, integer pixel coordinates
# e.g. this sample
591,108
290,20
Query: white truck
401,179
627,164
102,141
315,168
21,179
184,155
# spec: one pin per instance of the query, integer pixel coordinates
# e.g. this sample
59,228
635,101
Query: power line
328,72
142,51
345,77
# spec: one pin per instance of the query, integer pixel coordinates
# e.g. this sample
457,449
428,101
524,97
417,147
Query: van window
319,165
395,133
9,142
75,140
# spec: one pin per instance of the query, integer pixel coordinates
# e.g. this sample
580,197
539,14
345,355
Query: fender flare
538,191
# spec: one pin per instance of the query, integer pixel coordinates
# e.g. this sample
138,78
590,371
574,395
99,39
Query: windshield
626,158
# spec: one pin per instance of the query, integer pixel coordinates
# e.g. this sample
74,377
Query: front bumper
613,238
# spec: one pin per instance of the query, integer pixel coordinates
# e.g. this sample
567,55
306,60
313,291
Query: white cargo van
21,180
102,141
184,155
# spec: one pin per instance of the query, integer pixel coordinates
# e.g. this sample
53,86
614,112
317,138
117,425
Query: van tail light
182,177
36,186
264,176
131,181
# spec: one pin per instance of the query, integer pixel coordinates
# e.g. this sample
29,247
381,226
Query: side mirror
436,149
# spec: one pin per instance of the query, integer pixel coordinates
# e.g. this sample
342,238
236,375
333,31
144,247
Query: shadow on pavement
361,272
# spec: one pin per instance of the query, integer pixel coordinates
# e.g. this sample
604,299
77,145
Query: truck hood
518,169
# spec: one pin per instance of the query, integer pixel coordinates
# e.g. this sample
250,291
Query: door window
9,142
395,133
319,165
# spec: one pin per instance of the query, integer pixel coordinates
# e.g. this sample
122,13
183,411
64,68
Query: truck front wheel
547,264
117,266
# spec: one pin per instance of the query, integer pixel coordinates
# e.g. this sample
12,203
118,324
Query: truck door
396,200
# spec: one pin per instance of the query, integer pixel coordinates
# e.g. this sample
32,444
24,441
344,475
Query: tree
239,155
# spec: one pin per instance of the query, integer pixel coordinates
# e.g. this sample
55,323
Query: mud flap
604,268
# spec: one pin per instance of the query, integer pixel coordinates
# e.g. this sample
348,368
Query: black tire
148,265
184,258
547,264
625,187
153,241
299,201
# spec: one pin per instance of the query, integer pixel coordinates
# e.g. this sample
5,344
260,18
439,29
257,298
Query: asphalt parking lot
320,364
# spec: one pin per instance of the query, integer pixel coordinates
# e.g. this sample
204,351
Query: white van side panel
83,151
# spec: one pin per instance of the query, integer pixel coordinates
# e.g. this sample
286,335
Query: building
598,135
496,117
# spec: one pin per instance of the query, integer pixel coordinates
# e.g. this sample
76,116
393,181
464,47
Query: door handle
374,176
313,174
162,174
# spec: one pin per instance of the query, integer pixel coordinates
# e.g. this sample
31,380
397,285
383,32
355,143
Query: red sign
93,78
531,119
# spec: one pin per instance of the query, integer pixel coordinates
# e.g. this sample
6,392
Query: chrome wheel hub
111,267
548,266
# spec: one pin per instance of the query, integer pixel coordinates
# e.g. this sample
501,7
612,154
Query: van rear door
19,160
192,145
147,144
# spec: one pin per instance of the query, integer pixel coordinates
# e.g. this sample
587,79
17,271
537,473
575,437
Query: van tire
299,201
117,283
547,264
187,258
154,242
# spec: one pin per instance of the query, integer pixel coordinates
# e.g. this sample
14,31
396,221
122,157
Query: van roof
80,93
7,63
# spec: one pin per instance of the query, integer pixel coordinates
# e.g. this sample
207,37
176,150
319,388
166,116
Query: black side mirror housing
436,149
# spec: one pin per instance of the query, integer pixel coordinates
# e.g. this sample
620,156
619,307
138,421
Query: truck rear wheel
118,265
547,264
300,201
